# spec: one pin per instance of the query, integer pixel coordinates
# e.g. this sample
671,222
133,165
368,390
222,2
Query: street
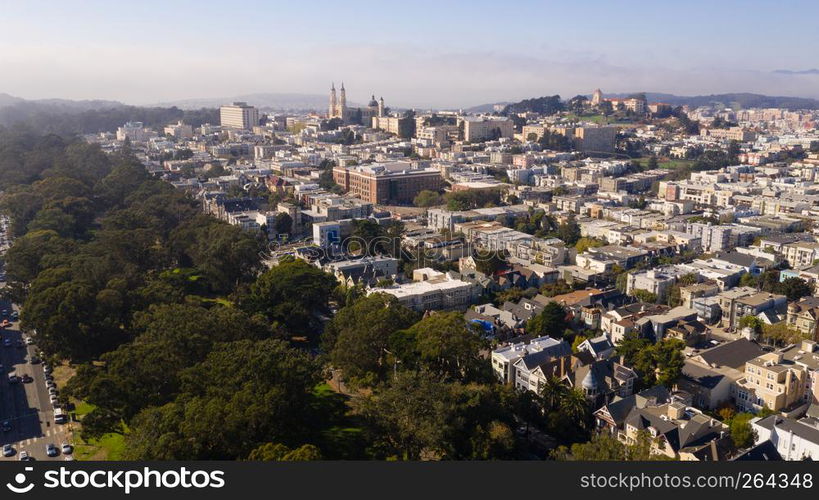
26,406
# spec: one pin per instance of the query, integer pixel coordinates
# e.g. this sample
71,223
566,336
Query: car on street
8,450
52,450
67,449
5,426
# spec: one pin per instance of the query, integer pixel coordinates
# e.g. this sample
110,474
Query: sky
415,53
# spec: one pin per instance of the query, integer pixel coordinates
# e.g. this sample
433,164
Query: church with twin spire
338,108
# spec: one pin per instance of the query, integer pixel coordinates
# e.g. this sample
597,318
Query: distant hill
486,108
733,100
65,104
63,116
268,101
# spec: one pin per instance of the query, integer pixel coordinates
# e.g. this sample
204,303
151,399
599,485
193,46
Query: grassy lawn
108,447
670,163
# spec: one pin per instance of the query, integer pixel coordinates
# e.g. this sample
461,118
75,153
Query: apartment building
712,238
238,115
505,357
433,290
385,183
772,382
479,128
800,254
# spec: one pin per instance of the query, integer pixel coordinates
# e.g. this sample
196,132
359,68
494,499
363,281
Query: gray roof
701,375
732,354
800,428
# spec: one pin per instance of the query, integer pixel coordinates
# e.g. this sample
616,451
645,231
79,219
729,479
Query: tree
443,344
243,394
794,288
742,434
782,334
751,322
418,417
427,198
584,244
659,363
550,321
490,262
358,337
283,224
604,446
652,163
569,231
270,452
291,294
644,296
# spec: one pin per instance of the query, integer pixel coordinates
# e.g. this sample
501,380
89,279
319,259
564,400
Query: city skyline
432,55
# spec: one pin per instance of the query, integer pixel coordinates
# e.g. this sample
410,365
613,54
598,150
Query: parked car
29,341
13,379
54,400
67,449
34,360
25,457
8,450
5,426
26,379
52,450
14,316
7,342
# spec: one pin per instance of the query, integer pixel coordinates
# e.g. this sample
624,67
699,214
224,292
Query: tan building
772,382
479,128
595,139
804,315
397,182
729,134
239,115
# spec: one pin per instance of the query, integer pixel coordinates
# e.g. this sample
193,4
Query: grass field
670,163
108,447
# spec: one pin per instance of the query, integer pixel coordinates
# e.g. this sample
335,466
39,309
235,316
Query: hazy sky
421,53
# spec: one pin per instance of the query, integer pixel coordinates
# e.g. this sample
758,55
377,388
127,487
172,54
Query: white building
793,439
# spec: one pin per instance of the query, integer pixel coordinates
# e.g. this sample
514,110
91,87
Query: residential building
238,115
384,183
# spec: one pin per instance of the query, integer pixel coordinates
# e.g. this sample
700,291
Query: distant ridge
734,100
272,101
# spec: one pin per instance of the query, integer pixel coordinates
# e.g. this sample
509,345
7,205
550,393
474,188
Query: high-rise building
239,115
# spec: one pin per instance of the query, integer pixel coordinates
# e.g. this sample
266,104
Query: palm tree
553,393
574,405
